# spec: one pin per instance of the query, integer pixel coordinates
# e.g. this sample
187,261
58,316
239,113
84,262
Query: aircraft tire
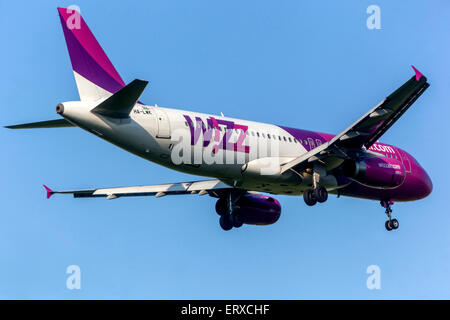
225,222
237,222
321,194
394,224
310,197
388,225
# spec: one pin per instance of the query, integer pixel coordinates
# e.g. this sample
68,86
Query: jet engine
376,172
253,208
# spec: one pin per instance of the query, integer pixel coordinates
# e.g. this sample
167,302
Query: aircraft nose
424,185
428,184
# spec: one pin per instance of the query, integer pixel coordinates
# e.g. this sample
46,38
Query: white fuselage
239,152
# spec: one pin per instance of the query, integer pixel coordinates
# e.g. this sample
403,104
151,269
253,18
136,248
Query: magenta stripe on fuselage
417,184
312,139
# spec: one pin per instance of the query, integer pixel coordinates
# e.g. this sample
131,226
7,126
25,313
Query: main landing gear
317,193
312,196
391,224
228,217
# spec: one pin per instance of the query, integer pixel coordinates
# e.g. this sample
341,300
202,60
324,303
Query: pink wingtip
418,73
50,192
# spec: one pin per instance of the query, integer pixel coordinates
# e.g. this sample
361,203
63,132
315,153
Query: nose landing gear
391,224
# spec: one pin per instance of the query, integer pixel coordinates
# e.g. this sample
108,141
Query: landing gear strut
390,224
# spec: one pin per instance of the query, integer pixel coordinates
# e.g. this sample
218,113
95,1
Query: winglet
50,192
418,73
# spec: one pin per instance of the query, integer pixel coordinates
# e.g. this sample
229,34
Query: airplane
246,162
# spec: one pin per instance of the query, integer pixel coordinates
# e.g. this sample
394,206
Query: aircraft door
163,124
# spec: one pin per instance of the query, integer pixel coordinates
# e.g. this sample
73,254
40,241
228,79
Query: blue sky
306,64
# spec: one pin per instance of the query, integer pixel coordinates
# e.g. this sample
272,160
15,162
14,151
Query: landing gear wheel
221,207
388,225
321,194
394,223
310,197
237,222
391,224
226,223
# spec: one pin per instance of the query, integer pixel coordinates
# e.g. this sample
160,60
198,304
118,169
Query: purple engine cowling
376,172
256,209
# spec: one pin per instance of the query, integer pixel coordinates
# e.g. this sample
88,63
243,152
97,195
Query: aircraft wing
211,187
371,126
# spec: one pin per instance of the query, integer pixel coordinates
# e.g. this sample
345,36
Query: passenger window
284,138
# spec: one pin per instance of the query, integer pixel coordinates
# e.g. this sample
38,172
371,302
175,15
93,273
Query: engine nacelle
256,209
376,172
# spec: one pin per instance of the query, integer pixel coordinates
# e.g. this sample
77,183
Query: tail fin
95,75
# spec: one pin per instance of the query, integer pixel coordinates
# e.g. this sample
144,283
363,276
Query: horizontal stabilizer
119,105
59,123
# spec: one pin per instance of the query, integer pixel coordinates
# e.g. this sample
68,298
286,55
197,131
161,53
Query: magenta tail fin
95,75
